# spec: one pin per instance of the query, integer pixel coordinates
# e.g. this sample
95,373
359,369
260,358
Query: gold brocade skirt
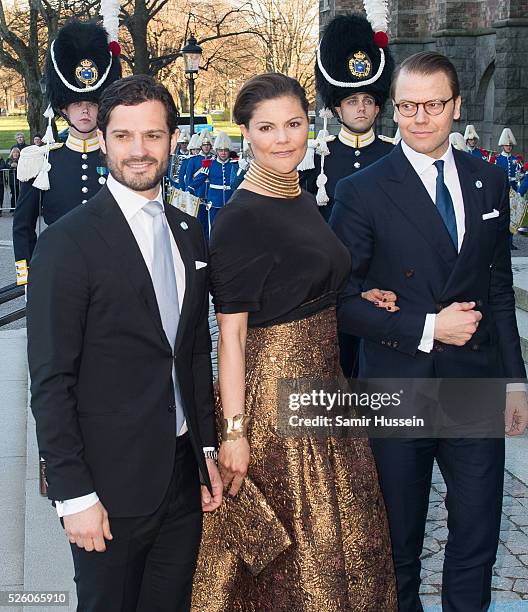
308,530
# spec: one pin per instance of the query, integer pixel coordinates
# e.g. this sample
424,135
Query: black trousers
473,470
150,563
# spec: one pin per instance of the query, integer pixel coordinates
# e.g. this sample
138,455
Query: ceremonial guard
193,149
80,65
183,144
353,85
506,160
472,139
457,141
214,179
194,164
353,81
181,153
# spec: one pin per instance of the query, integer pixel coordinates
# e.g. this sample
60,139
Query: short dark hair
134,90
426,63
266,87
37,136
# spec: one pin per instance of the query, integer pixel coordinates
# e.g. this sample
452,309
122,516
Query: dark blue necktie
444,203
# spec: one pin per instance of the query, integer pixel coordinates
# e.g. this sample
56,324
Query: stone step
522,325
520,282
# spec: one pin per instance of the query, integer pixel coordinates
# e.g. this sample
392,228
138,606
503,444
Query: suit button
439,307
475,347
171,408
395,344
438,348
409,273
383,342
479,303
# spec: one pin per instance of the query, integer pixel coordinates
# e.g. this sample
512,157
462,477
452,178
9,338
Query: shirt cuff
77,504
511,387
427,341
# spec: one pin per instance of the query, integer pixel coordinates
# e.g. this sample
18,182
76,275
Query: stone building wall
487,40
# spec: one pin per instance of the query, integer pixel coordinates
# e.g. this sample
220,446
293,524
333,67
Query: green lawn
17,123
8,128
232,130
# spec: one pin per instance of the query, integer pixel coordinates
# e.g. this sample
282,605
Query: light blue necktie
444,203
164,281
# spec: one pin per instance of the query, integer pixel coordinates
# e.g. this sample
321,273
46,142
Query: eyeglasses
431,107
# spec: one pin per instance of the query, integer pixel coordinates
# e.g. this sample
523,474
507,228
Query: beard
150,179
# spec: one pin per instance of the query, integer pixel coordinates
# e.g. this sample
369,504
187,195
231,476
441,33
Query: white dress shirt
141,224
426,170
424,167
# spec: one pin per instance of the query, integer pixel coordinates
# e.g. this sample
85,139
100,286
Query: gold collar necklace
285,185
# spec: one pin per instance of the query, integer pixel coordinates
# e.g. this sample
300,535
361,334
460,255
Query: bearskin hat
352,59
79,65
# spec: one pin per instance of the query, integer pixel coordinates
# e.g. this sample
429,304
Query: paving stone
497,597
521,586
428,588
438,513
517,545
514,571
433,578
502,584
432,544
523,559
508,561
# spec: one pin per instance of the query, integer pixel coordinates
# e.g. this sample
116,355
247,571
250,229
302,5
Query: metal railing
9,189
8,294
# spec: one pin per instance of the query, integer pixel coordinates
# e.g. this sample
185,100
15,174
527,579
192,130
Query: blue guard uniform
348,153
506,160
509,164
194,164
212,183
55,178
77,173
473,149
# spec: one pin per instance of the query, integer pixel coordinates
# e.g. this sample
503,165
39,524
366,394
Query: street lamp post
192,53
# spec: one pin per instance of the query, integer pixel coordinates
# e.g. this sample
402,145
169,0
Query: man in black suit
431,224
121,381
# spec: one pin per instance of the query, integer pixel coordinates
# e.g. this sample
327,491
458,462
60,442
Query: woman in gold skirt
303,527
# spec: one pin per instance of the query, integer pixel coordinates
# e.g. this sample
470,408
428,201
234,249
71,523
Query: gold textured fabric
308,531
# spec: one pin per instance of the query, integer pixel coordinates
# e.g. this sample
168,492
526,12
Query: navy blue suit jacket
397,240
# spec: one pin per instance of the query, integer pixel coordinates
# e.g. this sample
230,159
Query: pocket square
202,264
491,215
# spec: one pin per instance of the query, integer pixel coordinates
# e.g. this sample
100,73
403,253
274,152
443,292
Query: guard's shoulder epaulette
56,145
387,139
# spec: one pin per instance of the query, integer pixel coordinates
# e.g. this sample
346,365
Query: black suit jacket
398,241
100,362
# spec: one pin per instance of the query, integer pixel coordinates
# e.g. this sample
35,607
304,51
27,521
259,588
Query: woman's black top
274,258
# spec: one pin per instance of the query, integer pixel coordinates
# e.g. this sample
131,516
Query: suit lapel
473,198
406,190
116,232
182,238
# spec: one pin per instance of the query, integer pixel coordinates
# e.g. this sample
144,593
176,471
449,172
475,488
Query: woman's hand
381,299
233,461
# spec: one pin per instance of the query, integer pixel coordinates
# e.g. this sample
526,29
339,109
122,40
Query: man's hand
516,413
233,461
457,323
89,528
210,503
381,299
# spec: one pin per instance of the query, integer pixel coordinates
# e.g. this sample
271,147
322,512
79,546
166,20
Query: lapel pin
478,184
184,225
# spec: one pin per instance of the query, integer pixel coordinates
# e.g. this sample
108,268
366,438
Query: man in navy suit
431,224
